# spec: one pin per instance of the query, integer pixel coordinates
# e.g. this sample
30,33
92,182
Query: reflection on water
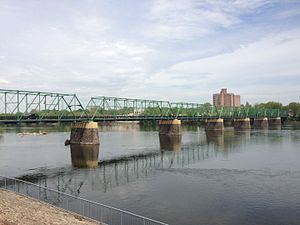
215,136
84,156
170,142
110,174
36,128
218,174
120,171
275,127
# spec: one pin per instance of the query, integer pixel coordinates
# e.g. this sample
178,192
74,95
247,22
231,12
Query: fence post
39,190
82,203
5,183
67,203
100,219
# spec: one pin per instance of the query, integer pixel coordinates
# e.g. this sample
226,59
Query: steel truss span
18,106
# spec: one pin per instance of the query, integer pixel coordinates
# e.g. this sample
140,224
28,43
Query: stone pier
242,123
84,133
261,123
170,127
275,122
214,124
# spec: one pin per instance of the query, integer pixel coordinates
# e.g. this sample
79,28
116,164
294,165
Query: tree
294,109
207,104
269,105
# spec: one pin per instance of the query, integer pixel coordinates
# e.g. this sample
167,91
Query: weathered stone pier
170,127
84,133
214,124
243,123
275,122
261,123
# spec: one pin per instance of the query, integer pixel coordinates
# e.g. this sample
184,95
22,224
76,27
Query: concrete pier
275,122
261,123
241,123
84,156
84,133
214,124
170,127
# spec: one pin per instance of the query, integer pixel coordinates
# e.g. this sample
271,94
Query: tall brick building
226,99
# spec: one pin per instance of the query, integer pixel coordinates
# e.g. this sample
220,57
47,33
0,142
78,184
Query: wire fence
96,211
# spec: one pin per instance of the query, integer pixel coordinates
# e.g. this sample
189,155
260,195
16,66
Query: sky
176,50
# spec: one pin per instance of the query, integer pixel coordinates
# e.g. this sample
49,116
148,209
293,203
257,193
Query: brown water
234,177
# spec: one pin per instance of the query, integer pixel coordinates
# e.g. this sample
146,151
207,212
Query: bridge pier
214,124
261,123
84,133
241,123
275,122
170,127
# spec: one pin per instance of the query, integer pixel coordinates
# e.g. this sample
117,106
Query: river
228,178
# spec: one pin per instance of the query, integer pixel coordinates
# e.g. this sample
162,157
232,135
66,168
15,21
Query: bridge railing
96,211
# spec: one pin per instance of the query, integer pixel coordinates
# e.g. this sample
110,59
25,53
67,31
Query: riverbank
17,209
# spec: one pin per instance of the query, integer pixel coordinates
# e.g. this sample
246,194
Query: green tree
247,104
294,109
269,105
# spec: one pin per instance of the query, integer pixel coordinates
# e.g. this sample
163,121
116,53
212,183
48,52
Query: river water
233,177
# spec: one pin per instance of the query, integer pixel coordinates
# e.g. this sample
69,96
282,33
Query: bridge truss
30,106
114,108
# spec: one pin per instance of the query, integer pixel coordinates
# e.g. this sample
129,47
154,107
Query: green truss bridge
17,106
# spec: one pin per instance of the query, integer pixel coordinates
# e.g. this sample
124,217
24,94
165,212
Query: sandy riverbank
17,209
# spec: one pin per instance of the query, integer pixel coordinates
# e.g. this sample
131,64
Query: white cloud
88,24
176,19
4,81
257,64
177,50
55,60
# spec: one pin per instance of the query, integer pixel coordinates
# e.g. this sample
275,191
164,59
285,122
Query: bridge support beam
241,123
170,127
214,124
84,133
275,122
261,122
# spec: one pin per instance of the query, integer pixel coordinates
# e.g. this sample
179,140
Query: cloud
51,59
3,81
176,50
187,20
258,64
89,24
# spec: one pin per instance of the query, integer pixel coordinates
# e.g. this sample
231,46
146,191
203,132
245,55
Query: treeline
292,108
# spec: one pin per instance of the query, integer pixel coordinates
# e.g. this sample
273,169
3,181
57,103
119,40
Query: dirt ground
17,209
